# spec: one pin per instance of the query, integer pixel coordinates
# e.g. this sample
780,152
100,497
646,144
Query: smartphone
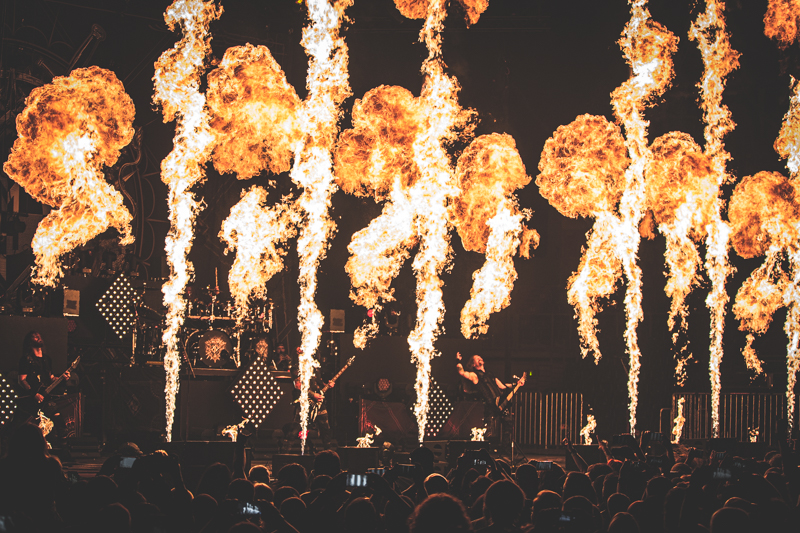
722,474
544,465
656,461
356,480
379,471
247,510
719,456
127,462
624,439
73,478
655,436
478,461
407,470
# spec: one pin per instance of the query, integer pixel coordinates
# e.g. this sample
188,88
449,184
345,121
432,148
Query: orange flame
581,173
68,131
765,219
376,158
255,113
327,88
780,21
719,60
177,90
614,238
395,152
255,232
648,49
418,9
489,221
682,191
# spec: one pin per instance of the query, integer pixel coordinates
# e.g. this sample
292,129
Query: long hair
28,344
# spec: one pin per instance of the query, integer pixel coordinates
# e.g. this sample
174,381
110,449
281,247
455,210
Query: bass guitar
32,410
503,402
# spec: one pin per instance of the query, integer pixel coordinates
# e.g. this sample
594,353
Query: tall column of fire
177,90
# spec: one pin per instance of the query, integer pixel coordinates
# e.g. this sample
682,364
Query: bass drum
211,348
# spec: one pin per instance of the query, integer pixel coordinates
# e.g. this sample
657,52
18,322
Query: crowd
638,488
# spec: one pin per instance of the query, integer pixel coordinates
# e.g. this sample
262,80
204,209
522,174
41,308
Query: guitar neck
330,383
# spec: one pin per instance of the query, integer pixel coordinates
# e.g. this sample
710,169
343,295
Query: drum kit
211,336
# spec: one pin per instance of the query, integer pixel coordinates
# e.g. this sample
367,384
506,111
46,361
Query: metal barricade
545,418
747,417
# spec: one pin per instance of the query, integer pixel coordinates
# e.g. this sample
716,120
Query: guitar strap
487,386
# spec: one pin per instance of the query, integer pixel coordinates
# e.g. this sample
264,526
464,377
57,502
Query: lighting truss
8,401
439,410
117,304
257,392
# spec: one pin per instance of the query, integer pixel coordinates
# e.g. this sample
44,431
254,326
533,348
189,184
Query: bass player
499,420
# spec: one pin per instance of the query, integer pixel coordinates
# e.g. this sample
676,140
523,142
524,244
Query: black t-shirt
37,371
487,386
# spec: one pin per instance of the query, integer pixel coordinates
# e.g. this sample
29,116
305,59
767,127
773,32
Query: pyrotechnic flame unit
8,401
117,306
476,434
257,392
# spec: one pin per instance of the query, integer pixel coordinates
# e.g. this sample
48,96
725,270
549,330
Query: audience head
215,481
242,490
327,463
503,502
527,478
436,483
618,503
623,523
730,520
259,474
440,513
293,475
360,516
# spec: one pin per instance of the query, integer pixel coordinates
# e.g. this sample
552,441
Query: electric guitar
315,405
46,392
502,403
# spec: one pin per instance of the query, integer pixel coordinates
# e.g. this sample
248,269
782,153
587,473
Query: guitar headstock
74,364
522,379
350,361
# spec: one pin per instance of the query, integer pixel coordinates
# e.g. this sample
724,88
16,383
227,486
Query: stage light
257,392
383,387
8,401
439,411
116,305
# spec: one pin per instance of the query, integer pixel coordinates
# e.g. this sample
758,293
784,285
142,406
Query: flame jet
765,216
781,21
489,222
256,117
69,129
683,186
313,170
397,143
614,239
177,90
262,125
254,230
765,220
719,60
681,191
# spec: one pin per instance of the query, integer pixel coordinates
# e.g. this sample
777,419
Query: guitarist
35,375
292,430
492,391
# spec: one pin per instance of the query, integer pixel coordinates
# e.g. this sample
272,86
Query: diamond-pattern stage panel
439,410
8,401
117,306
257,392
